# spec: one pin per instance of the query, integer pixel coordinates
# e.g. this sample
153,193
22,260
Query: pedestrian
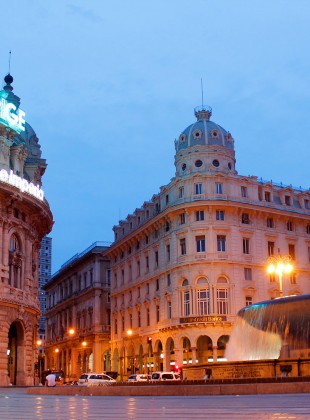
50,379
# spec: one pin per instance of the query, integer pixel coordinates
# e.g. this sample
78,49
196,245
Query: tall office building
45,272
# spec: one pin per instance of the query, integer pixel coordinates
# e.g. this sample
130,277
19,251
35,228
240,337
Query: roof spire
8,78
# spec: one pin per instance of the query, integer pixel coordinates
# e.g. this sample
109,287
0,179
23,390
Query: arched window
14,244
222,296
203,296
186,299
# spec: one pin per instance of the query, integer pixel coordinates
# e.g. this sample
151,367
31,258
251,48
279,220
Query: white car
138,377
165,376
95,379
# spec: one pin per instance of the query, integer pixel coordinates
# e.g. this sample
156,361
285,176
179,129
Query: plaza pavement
17,404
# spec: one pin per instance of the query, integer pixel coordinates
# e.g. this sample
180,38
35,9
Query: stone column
194,355
97,355
214,353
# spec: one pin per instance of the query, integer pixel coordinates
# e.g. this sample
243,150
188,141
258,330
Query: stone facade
78,315
24,220
184,263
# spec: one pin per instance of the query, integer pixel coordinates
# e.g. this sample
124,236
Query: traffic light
149,340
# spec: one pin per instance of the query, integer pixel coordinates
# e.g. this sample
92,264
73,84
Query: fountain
273,329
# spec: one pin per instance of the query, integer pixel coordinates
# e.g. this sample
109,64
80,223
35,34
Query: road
15,404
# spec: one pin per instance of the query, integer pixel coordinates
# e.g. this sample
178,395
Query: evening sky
109,85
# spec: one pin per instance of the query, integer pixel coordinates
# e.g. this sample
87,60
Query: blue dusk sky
109,85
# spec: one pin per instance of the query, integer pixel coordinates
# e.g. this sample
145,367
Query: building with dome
25,219
189,259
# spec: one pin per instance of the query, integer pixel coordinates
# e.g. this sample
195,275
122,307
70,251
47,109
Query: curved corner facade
25,219
189,259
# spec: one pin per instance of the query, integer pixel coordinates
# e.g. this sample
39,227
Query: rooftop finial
10,53
8,78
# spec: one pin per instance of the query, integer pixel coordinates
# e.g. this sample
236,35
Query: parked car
95,379
165,376
138,377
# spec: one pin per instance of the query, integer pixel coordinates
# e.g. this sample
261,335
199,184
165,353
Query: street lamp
280,264
39,344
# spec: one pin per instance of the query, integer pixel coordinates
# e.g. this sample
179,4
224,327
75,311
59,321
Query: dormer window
287,200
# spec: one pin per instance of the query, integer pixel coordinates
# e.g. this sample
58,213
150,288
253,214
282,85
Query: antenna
201,91
10,61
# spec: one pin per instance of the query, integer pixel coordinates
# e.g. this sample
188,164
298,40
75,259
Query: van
136,377
93,379
165,376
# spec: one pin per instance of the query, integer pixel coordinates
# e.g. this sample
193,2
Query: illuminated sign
191,319
10,116
22,184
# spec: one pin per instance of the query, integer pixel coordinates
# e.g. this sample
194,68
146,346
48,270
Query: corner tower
25,219
204,147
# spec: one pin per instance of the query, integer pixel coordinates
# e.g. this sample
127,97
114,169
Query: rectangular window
123,276
115,326
267,196
168,252
157,284
308,229
200,244
306,201
168,280
287,200
203,300
289,226
147,262
157,313
247,273
123,323
182,219
221,243
244,191
293,278
220,214
167,199
222,301
181,192
291,251
198,188
200,215
270,223
147,288
169,311
148,317
138,268
183,246
139,319
245,218
186,303
130,320
218,188
248,300
270,248
246,245
156,259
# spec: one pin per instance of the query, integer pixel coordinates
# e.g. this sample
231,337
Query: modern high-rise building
184,263
25,219
45,272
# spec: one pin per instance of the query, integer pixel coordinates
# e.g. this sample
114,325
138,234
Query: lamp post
280,264
39,344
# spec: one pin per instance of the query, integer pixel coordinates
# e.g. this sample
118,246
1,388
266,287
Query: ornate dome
204,147
204,132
